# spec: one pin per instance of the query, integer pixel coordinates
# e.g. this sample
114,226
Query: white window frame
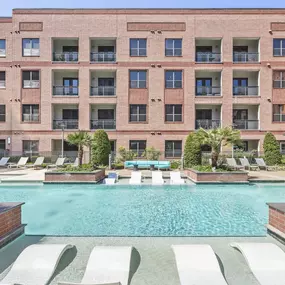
173,80
281,48
32,116
173,47
3,82
137,85
30,51
31,83
173,149
3,51
138,48
173,114
137,113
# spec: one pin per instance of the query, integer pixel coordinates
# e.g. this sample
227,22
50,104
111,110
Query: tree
80,139
100,148
151,153
271,148
217,138
192,151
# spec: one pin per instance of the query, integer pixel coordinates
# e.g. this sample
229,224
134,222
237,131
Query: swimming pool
100,210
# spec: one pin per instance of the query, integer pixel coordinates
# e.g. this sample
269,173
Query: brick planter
10,222
57,177
217,177
276,224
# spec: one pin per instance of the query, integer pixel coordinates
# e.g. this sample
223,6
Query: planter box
93,176
216,177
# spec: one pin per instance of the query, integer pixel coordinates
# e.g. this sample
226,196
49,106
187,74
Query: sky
6,6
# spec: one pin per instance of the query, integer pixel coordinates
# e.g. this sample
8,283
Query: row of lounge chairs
260,164
196,264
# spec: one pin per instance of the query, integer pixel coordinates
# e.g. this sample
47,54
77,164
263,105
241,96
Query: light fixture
9,140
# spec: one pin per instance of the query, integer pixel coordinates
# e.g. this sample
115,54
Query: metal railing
245,57
103,90
103,124
31,84
245,90
173,153
31,52
173,51
278,83
173,117
2,52
246,124
2,83
106,57
65,56
173,84
137,83
30,117
208,91
138,117
208,57
65,91
138,52
67,124
278,117
279,52
207,124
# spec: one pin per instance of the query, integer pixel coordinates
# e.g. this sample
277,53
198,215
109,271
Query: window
137,113
31,79
137,79
278,113
173,148
31,148
138,147
137,47
173,47
2,113
203,86
279,79
173,79
70,114
30,113
2,48
31,47
242,147
2,79
173,113
278,47
282,147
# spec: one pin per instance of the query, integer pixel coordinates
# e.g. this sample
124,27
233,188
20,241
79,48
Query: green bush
126,154
82,168
192,151
175,164
208,168
100,148
151,153
118,165
271,148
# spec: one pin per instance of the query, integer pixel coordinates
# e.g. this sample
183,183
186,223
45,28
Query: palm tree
217,138
80,139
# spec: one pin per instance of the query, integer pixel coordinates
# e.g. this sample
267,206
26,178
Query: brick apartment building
148,77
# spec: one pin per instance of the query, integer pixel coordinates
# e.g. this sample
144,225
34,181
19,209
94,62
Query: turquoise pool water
100,210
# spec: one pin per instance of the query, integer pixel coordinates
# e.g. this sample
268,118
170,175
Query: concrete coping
218,172
277,206
71,172
5,207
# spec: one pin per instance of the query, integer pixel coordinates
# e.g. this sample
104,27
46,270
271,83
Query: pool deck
152,261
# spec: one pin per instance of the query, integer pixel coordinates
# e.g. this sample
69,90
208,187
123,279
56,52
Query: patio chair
36,264
4,161
136,178
265,260
38,163
107,265
261,163
197,264
175,178
113,177
59,162
157,178
245,163
21,163
231,162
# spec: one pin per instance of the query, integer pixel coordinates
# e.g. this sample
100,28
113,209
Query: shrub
151,153
175,164
71,168
192,151
118,165
271,148
126,154
100,148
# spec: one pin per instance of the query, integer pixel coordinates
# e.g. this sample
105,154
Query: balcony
245,90
67,124
103,124
246,117
30,117
245,50
245,83
65,50
207,124
65,83
103,50
207,116
208,83
103,116
65,116
245,124
103,83
65,91
103,91
208,50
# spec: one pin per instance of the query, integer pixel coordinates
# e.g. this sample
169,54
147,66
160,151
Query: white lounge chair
4,161
39,162
136,178
112,178
59,162
175,178
157,178
266,261
21,163
36,264
197,265
108,265
261,163
231,162
245,163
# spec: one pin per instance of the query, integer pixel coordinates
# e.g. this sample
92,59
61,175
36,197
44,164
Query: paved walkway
23,175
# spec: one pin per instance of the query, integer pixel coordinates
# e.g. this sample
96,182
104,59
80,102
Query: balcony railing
173,153
2,83
207,124
65,56
138,117
66,124
31,52
278,117
30,117
278,83
31,84
2,52
103,124
245,90
65,91
246,124
103,91
105,57
245,57
173,51
279,52
208,57
208,90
